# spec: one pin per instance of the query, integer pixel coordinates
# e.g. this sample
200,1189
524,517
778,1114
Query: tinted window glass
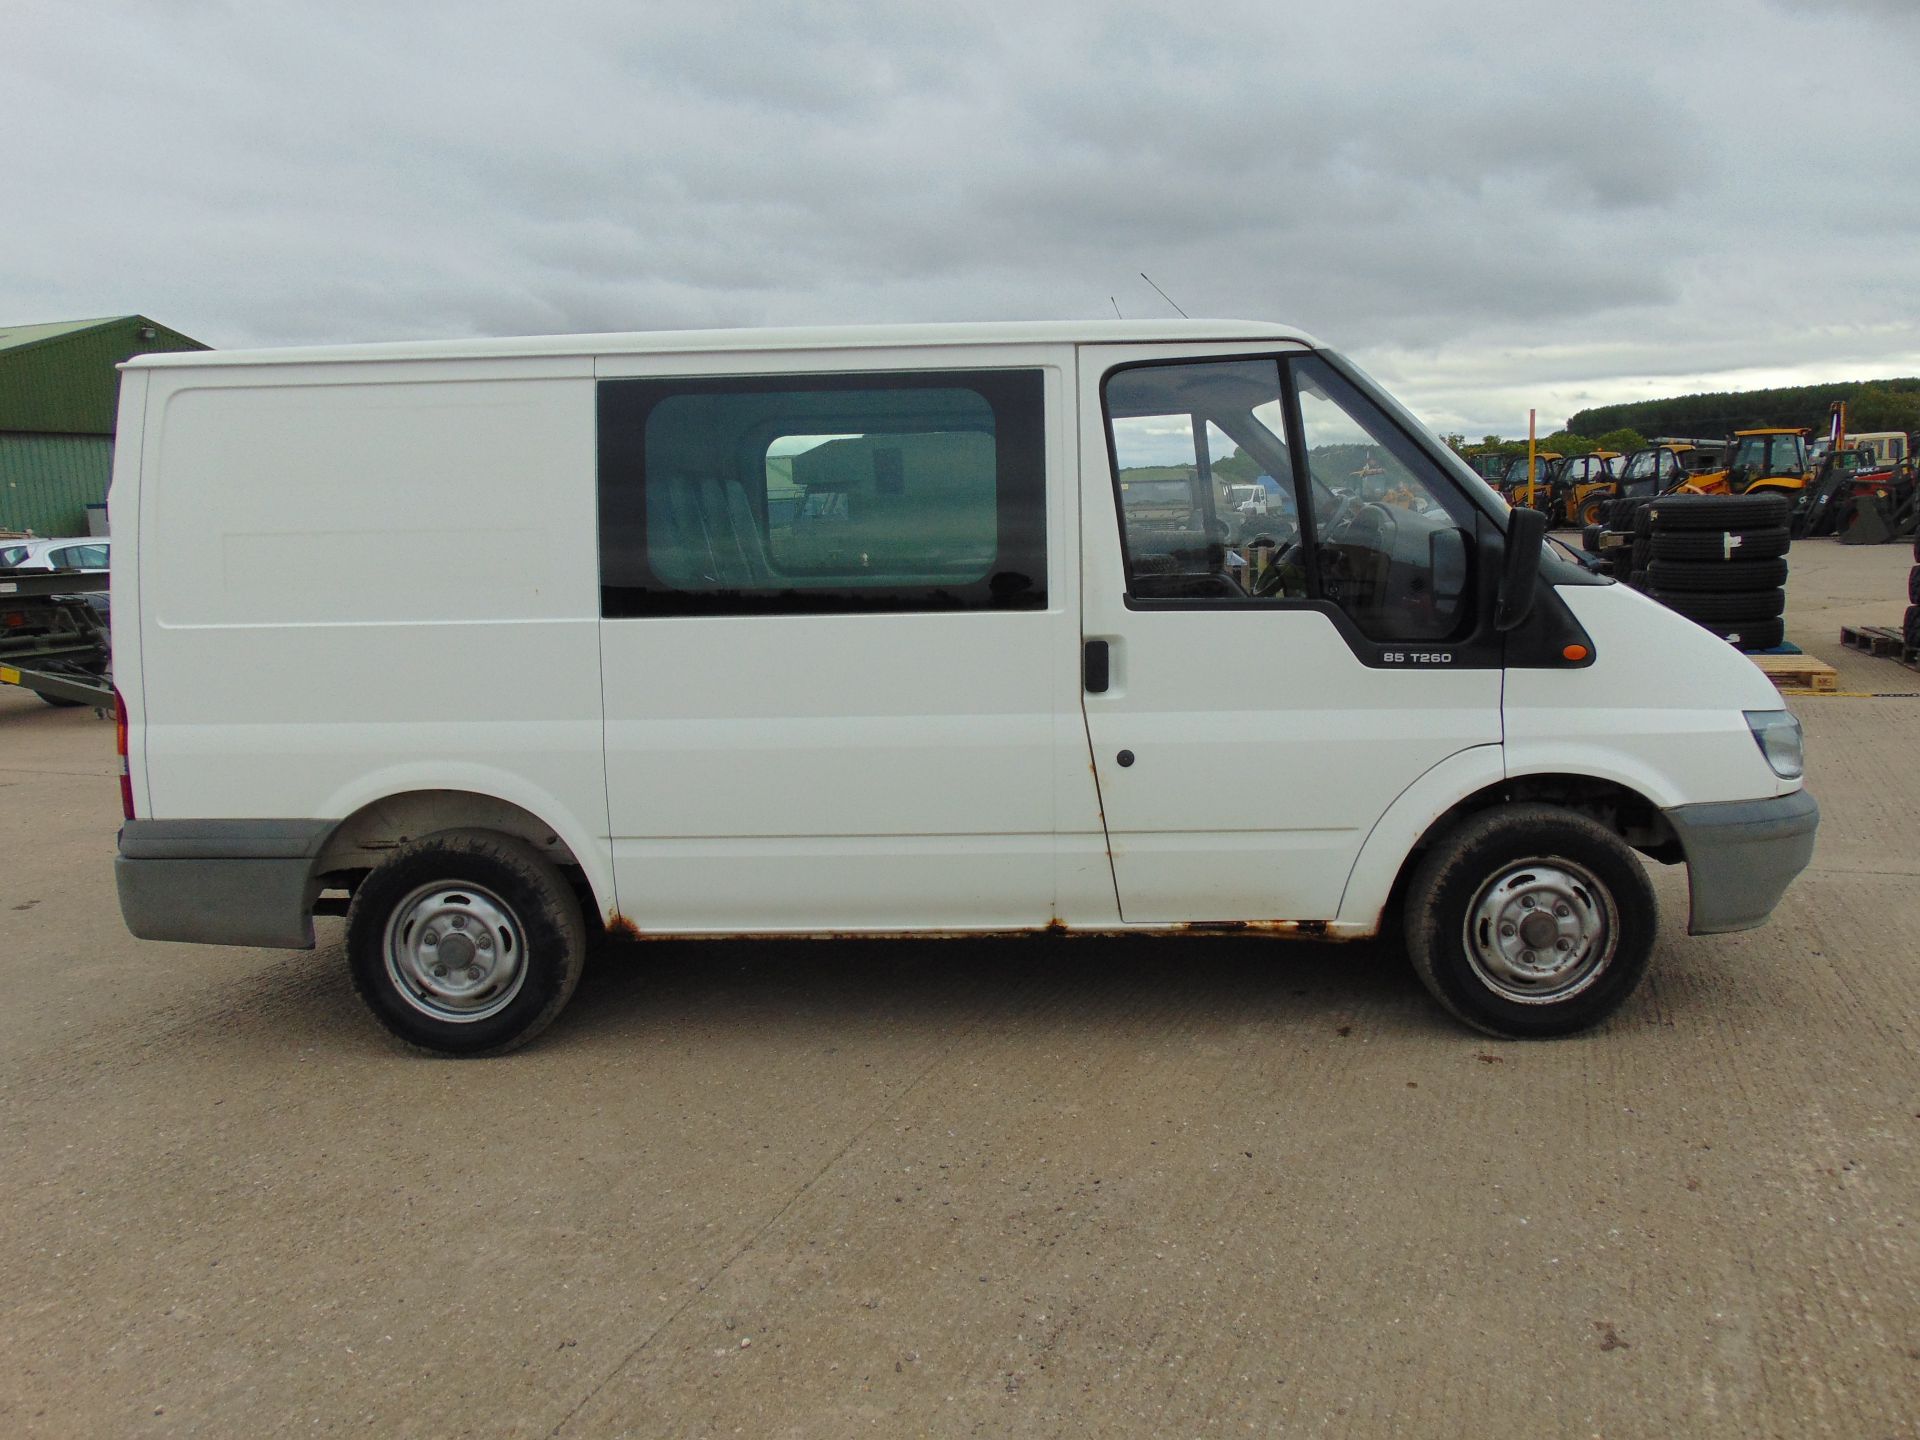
822,494
1205,488
1391,534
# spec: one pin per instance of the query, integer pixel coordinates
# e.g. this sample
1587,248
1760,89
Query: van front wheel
1529,921
466,942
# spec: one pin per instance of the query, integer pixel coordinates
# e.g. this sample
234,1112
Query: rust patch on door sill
1296,929
620,928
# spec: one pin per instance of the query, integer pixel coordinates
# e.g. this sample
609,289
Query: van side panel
869,772
363,580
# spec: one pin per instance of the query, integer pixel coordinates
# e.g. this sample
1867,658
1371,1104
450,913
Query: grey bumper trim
1741,855
220,882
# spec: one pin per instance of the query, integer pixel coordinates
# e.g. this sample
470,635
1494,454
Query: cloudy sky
1491,205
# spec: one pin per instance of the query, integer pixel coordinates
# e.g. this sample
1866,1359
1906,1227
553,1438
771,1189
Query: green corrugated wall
47,481
58,394
65,383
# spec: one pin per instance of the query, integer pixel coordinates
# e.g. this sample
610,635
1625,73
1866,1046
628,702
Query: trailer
54,637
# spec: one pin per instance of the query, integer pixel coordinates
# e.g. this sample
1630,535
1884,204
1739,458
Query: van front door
1272,680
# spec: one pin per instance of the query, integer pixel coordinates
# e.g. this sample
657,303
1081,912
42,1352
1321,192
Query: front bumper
1741,855
220,882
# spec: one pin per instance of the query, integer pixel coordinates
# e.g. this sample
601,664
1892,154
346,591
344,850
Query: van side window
1205,516
1391,534
822,494
1209,472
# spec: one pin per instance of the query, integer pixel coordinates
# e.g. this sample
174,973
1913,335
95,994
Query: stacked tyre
1720,560
1618,518
1910,631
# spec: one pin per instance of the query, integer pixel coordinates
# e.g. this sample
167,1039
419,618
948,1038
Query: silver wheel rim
455,952
1541,932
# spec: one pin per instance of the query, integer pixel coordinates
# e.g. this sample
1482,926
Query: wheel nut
1507,932
459,922
486,941
1563,945
1526,902
429,938
439,972
473,972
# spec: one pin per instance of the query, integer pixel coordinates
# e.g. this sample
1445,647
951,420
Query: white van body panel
1659,710
1407,820
859,772
310,645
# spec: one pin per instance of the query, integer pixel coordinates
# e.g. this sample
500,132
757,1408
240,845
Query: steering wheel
1274,578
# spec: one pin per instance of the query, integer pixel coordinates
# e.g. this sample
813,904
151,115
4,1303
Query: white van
892,631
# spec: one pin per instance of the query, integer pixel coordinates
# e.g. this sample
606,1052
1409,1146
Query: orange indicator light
1575,653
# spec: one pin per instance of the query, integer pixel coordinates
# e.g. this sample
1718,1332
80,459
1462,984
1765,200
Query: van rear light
120,745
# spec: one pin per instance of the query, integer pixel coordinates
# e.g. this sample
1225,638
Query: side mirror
1520,574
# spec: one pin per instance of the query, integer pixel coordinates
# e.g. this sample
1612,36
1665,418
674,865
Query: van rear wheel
1529,921
466,942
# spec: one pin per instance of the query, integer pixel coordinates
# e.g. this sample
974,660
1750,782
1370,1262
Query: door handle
1097,667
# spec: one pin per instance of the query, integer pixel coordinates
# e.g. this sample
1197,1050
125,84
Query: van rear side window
822,494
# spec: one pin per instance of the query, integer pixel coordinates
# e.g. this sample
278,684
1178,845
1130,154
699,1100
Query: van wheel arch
1619,808
373,832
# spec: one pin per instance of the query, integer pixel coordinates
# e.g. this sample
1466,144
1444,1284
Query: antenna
1164,296
1116,308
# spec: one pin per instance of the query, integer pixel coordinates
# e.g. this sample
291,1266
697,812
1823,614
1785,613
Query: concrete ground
1043,1188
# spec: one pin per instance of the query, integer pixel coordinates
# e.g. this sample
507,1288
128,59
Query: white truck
486,644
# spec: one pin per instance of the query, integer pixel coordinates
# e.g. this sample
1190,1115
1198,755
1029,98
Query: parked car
85,553
74,554
997,690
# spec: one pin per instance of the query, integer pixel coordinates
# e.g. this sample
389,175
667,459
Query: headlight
1778,735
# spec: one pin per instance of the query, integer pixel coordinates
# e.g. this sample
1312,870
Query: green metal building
59,393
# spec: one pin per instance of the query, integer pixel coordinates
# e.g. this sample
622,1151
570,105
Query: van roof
835,337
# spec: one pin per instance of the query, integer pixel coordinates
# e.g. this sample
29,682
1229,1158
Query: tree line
1871,405
1561,442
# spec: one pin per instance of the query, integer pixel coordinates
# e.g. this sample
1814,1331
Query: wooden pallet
1875,640
1798,674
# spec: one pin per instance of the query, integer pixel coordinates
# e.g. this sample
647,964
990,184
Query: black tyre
1730,609
1590,512
1637,579
1642,552
1590,538
1717,575
1529,921
466,942
1718,512
1643,519
1910,631
1763,544
1913,586
1749,634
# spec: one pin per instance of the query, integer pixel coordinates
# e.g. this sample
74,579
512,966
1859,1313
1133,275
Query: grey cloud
1484,201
